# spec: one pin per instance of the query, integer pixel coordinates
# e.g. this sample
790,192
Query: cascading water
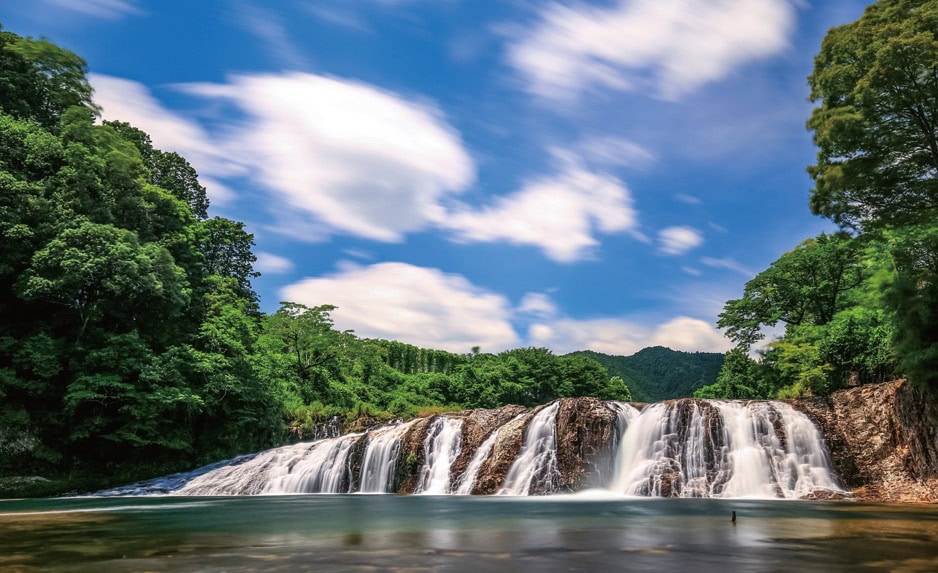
322,470
722,449
683,448
440,449
625,413
317,467
380,461
468,479
535,469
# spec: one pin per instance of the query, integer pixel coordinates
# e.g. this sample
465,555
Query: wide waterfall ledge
683,448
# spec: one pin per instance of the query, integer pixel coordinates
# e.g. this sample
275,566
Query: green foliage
39,80
804,286
738,379
658,373
129,323
877,83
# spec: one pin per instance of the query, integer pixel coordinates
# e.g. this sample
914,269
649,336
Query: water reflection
354,533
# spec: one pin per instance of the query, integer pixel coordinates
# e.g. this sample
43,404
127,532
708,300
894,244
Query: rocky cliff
883,440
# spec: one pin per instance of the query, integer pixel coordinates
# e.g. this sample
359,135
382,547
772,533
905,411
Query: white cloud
364,161
267,27
622,337
421,306
559,214
132,102
337,16
537,304
107,9
670,47
616,151
691,271
689,199
678,240
339,156
727,263
271,264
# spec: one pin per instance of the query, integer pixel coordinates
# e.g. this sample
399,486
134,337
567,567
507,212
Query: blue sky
458,173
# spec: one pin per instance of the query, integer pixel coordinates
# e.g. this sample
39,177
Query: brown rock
412,456
586,430
883,440
506,448
477,426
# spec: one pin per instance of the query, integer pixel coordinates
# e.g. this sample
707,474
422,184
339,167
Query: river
593,531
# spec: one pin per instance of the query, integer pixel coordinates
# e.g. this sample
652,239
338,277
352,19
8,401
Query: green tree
876,125
40,80
804,286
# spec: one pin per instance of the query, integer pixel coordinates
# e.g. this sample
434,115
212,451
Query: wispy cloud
559,213
105,9
689,199
267,27
131,101
271,264
729,264
678,240
666,47
363,161
418,305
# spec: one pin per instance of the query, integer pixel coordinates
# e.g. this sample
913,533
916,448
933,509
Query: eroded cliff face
883,440
586,438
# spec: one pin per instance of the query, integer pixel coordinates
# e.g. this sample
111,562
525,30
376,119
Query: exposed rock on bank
883,440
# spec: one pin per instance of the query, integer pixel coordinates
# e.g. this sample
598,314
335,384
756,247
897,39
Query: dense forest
859,305
132,342
658,373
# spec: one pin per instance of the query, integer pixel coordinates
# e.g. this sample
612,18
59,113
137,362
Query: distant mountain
659,373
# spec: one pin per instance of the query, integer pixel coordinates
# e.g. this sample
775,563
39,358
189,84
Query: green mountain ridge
658,373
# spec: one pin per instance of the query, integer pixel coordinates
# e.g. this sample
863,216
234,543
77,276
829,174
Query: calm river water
479,534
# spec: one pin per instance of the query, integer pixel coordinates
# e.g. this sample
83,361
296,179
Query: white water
381,456
479,458
722,449
440,449
625,413
684,448
535,468
322,470
317,467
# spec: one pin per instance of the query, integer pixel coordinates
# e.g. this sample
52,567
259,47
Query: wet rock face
506,449
411,456
477,426
586,438
883,440
354,463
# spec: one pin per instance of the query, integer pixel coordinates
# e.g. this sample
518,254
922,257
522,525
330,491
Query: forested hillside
658,373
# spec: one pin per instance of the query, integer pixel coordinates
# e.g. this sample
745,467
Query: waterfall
702,448
625,413
380,462
535,469
322,470
440,449
308,467
682,448
468,479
